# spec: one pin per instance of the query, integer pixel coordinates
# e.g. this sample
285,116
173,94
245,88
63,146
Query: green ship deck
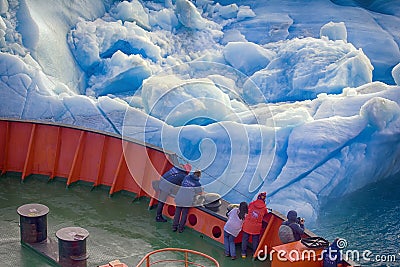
119,228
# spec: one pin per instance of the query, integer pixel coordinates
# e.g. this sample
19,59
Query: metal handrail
185,261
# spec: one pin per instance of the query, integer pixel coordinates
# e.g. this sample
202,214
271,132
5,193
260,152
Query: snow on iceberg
164,19
131,11
100,39
27,93
181,102
226,12
247,57
122,73
43,27
303,68
380,112
334,31
189,16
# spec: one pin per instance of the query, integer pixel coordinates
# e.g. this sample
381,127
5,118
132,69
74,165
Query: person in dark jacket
169,184
333,254
185,199
295,223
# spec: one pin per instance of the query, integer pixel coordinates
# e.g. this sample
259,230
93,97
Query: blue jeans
229,244
245,241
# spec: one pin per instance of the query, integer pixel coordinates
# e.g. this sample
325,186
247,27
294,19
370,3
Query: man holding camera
296,224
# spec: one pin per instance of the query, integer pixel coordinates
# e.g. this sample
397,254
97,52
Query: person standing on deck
185,199
169,184
296,225
252,224
233,227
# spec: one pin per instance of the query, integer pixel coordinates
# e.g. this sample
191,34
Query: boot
160,218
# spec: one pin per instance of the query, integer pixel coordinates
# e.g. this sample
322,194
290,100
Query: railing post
73,175
5,152
57,154
264,237
28,159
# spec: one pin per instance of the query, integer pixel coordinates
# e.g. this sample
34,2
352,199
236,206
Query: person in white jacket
233,227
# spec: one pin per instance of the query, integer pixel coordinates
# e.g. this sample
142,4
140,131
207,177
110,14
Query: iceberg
132,11
334,31
303,68
257,96
189,16
247,57
181,102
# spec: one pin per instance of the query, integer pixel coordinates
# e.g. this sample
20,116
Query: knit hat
262,196
187,167
292,215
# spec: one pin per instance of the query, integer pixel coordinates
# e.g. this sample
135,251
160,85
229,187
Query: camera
300,220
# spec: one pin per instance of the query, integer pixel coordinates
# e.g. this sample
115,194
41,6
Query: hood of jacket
259,204
194,177
292,215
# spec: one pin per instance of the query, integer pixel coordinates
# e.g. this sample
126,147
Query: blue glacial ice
260,97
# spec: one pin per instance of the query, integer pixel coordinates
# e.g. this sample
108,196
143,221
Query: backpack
286,234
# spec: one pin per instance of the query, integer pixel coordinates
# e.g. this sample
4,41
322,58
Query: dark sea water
369,220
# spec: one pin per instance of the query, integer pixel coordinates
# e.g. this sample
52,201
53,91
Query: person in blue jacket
185,198
169,184
333,255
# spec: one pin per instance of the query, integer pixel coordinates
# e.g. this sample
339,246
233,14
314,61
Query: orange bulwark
295,254
80,154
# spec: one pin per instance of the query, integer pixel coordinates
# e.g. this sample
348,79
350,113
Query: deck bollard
72,246
33,222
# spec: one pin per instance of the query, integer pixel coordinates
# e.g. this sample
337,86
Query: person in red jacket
252,224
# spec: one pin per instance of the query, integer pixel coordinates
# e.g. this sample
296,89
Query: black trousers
161,201
180,217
